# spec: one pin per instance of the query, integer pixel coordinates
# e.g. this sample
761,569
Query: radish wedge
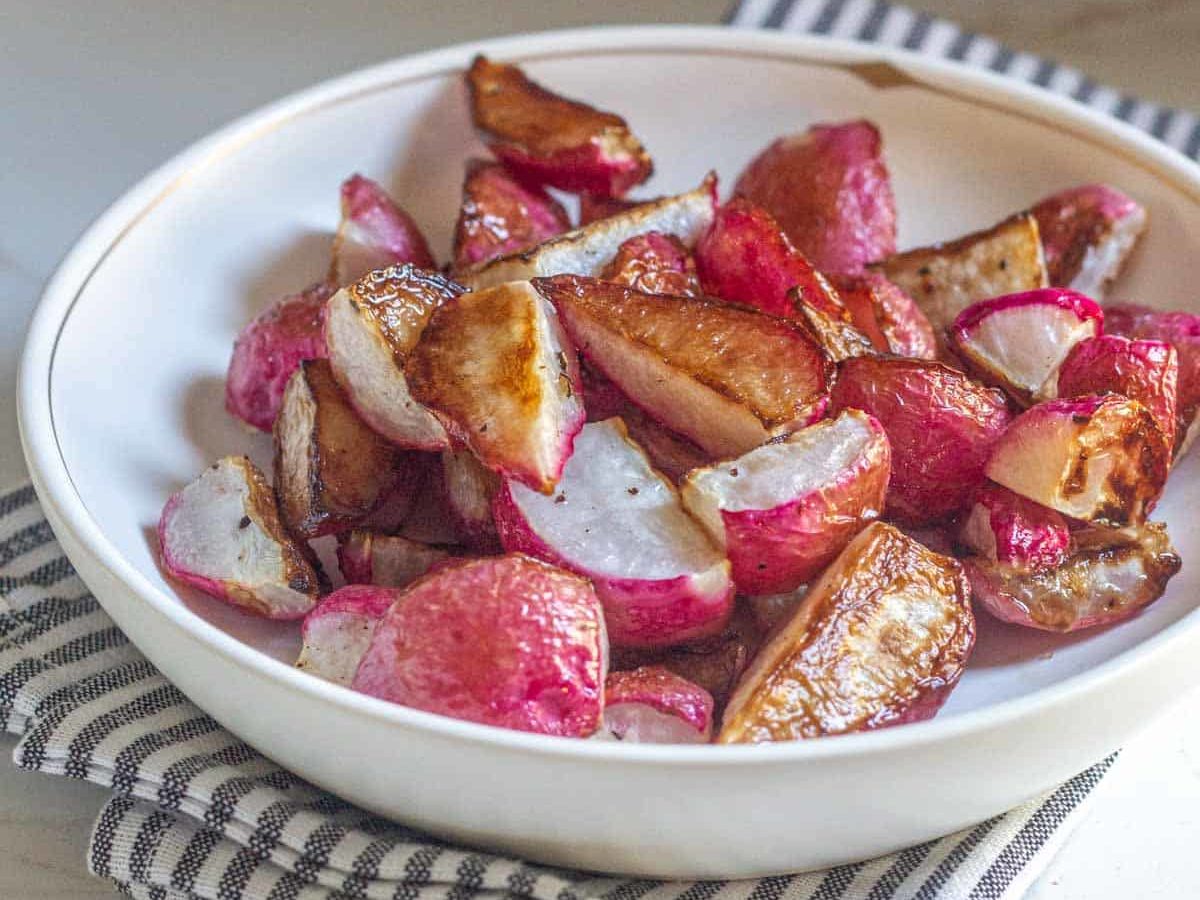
1145,371
549,139
941,426
1017,342
374,233
506,641
498,370
331,469
783,511
886,315
655,263
945,279
830,191
269,349
616,521
1008,528
725,378
1088,233
590,248
469,488
501,215
881,639
653,705
371,328
222,535
338,631
1108,576
1100,458
368,557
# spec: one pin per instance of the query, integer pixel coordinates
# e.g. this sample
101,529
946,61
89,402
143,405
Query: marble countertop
94,95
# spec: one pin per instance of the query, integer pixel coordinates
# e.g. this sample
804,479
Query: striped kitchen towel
197,813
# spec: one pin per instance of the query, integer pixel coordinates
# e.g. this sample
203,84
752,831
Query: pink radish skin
374,233
1145,371
501,215
1087,234
1018,342
506,641
365,557
823,485
338,631
1008,528
620,524
653,705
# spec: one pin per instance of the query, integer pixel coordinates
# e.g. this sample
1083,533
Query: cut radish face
338,631
947,278
500,215
371,327
470,488
746,258
590,248
368,557
1018,342
783,511
941,426
1182,331
222,535
725,378
331,469
497,369
1102,459
506,641
548,139
880,639
1011,529
374,233
653,705
655,263
618,522
886,315
1108,576
268,351
1088,232
829,189
1145,371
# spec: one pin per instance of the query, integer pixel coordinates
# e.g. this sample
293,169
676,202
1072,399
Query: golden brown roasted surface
878,640
946,278
331,468
398,302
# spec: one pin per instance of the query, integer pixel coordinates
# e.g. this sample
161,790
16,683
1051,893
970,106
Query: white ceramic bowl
120,403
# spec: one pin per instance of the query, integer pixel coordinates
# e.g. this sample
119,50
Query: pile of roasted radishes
759,454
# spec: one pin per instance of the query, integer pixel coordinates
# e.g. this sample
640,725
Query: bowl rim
56,490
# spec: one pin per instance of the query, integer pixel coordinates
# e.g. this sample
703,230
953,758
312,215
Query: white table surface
92,95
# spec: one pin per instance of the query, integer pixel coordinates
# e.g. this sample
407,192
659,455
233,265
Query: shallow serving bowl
121,403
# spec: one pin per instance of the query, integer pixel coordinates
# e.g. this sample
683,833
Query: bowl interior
137,376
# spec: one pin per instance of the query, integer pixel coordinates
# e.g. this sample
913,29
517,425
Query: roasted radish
269,349
941,426
502,378
615,520
1098,458
470,487
337,632
368,557
1145,371
506,641
656,263
1087,233
725,378
374,233
838,338
830,191
371,328
1007,528
881,639
500,215
885,314
1108,576
1017,342
783,511
549,139
222,535
653,705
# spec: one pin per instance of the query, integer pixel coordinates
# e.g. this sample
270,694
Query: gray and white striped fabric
196,813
